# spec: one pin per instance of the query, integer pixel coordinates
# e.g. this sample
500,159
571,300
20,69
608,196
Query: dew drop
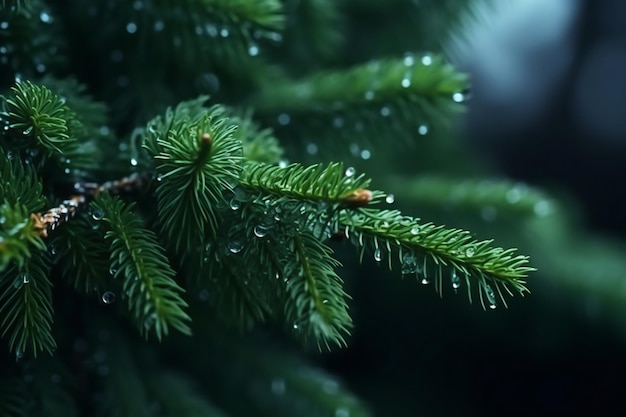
415,230
234,204
253,50
131,27
108,297
342,412
311,148
406,82
19,353
542,208
469,252
159,26
97,214
284,119
427,60
422,130
134,162
390,199
224,33
491,297
282,163
260,231
366,154
458,97
409,264
4,25
425,281
112,271
278,386
45,17
378,255
369,95
409,60
52,249
385,111
296,326
235,246
514,195
455,279
350,171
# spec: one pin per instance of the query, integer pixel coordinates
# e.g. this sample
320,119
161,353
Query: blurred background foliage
536,162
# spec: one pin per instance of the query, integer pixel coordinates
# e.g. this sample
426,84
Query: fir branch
36,112
148,280
259,144
20,183
489,197
380,231
415,94
26,307
19,235
264,13
331,184
84,256
197,159
315,303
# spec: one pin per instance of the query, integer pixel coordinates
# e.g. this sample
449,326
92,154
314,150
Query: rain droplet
427,60
131,27
97,214
282,163
112,271
425,281
350,171
224,33
514,195
284,119
295,326
406,82
415,230
422,130
342,412
108,297
19,353
4,25
134,162
489,213
234,204
409,60
542,208
52,249
369,95
390,199
278,386
260,231
458,97
455,279
311,148
378,255
235,246
491,297
409,264
45,17
159,25
385,111
253,50
366,154
469,252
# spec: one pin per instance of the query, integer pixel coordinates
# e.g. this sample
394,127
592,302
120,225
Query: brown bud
358,198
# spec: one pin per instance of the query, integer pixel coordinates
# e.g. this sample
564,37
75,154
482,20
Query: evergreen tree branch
315,302
259,144
415,94
438,247
26,307
331,184
197,159
487,196
148,280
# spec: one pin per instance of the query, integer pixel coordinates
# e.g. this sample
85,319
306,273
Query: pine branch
411,96
315,301
438,247
26,307
197,159
331,184
148,280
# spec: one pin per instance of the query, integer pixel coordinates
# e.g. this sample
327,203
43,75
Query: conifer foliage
168,208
